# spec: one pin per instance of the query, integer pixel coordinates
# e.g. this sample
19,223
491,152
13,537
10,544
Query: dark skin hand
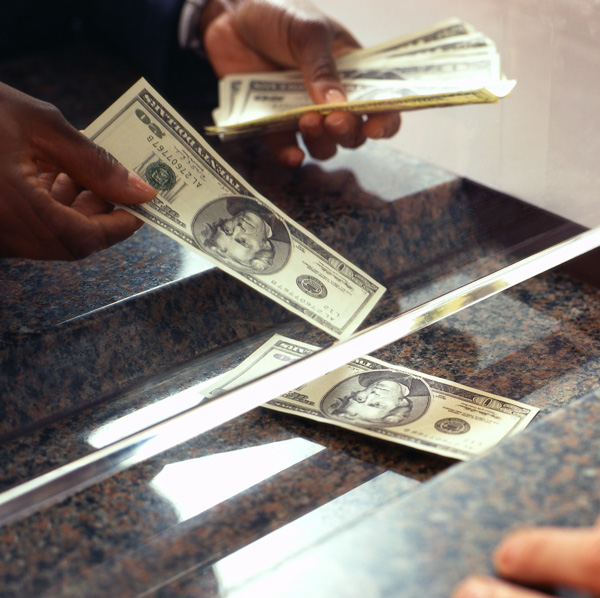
244,36
56,186
542,557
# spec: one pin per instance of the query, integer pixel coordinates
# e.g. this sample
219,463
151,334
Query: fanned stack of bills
450,63
387,401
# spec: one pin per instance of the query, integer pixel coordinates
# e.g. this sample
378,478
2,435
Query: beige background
542,143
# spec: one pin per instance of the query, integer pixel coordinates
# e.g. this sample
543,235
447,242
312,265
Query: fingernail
504,556
292,157
479,587
137,183
335,96
376,133
338,121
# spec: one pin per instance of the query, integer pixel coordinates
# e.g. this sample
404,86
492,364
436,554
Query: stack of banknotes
450,63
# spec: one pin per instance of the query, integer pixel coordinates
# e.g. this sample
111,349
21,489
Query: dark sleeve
142,31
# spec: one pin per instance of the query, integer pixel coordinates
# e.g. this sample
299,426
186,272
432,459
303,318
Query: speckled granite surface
75,333
425,541
281,506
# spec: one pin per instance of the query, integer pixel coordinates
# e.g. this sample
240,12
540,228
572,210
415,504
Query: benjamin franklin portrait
243,234
380,398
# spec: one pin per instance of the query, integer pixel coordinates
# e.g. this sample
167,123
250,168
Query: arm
56,185
259,35
564,557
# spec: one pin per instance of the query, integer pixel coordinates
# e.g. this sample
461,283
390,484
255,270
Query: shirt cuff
188,33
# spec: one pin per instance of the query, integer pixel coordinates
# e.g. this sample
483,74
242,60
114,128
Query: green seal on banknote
452,425
312,286
161,176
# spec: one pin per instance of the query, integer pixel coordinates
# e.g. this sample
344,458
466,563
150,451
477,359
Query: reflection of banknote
447,64
206,206
389,402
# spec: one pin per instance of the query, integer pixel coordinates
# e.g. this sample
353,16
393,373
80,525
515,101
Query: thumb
317,42
313,41
319,70
94,168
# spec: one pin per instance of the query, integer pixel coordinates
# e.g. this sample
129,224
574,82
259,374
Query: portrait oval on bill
243,234
381,398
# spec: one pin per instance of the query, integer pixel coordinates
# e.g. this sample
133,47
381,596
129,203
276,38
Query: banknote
479,65
472,43
448,64
438,32
209,208
388,402
482,67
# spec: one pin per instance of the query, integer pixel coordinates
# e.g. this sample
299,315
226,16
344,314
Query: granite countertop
269,504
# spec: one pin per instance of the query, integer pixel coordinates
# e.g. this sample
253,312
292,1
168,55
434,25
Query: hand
564,557
55,185
242,36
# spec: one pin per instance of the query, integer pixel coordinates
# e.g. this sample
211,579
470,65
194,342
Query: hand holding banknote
55,185
245,36
447,64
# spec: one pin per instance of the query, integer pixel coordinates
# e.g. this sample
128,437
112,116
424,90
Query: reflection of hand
242,36
45,213
542,557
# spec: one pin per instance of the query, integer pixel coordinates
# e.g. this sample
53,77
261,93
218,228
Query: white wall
543,143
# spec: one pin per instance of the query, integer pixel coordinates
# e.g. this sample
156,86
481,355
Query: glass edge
49,488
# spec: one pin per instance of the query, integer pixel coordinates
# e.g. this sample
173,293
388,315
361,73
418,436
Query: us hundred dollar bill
388,402
209,208
453,28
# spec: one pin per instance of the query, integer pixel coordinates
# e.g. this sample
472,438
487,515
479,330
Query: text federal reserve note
206,206
388,402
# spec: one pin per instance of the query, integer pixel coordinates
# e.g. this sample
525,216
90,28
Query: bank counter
116,481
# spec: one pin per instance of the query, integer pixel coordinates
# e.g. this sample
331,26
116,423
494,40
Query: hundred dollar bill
481,64
471,44
481,67
450,28
209,208
388,402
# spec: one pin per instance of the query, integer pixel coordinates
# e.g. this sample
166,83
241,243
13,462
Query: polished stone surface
268,504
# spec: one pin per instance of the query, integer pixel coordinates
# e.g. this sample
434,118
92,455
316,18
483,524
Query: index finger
313,41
